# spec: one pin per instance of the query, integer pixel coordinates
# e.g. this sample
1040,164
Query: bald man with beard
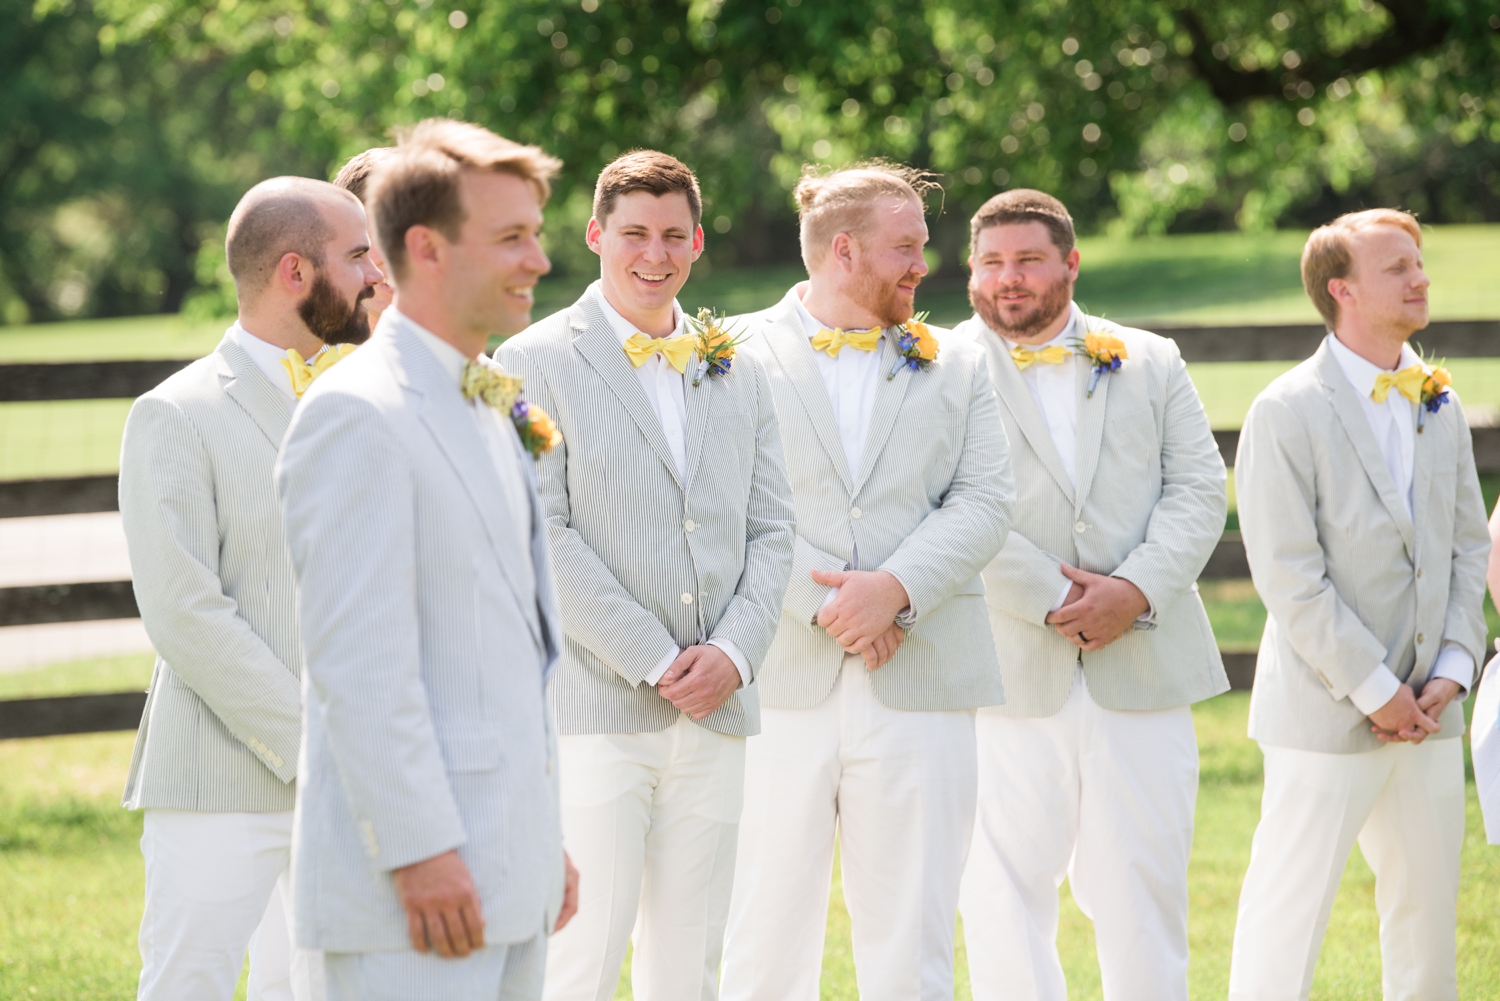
215,759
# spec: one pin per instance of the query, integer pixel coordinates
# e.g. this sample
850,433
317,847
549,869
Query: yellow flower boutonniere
1104,351
1434,393
500,390
918,346
536,427
716,344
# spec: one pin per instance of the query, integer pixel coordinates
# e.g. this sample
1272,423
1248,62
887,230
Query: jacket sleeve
348,498
1024,580
170,512
1275,483
957,539
596,609
1464,623
1188,519
750,619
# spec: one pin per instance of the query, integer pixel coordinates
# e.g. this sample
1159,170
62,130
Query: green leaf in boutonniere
716,344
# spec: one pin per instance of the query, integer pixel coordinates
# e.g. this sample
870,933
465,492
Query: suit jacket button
1420,637
689,525
687,599
856,513
1419,571
1080,527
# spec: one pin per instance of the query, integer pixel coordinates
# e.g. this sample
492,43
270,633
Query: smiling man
1365,529
1090,769
903,490
670,519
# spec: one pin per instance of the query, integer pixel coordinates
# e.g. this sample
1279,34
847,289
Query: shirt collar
622,327
1361,372
449,358
810,323
1068,333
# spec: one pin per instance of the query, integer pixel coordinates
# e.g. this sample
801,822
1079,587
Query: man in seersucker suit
215,760
1090,769
671,526
903,492
428,855
1365,529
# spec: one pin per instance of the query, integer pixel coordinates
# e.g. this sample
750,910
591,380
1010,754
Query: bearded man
1090,769
903,493
216,755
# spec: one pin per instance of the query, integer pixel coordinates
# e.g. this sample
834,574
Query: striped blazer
931,502
214,584
427,648
1149,507
1350,579
645,561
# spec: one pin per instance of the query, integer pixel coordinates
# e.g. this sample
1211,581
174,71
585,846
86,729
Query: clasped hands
700,680
861,618
1412,718
1098,610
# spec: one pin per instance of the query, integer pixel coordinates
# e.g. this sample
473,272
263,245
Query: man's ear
295,273
422,248
1072,262
594,235
697,242
1339,289
845,251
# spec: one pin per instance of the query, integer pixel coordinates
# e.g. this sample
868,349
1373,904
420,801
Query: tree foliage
131,126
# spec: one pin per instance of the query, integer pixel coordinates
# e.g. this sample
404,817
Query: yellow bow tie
303,373
1054,355
491,384
833,341
676,350
1408,382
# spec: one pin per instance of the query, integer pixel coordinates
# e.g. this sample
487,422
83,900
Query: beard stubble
331,319
1049,306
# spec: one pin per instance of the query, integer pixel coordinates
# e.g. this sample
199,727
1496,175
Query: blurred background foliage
129,128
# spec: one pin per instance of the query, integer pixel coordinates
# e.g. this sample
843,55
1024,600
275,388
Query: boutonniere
502,391
1106,353
1434,392
303,373
918,345
716,344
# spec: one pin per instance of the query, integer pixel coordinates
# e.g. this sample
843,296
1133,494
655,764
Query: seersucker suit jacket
1149,507
645,561
214,583
931,502
427,727
1350,580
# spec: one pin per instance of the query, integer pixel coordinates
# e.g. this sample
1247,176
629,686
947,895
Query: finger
473,924
830,578
872,658
437,927
416,928
1068,613
569,907
1073,574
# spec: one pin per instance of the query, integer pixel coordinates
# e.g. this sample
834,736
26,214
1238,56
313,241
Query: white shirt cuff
662,665
1062,596
734,654
1371,695
1455,664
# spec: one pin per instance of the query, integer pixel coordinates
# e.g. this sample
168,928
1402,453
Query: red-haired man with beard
1090,769
903,493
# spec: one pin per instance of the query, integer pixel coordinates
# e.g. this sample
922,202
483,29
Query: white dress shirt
1394,425
666,391
851,379
267,358
505,456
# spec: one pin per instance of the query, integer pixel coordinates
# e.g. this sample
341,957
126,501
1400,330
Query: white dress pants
218,884
650,820
1104,798
495,973
1404,804
898,790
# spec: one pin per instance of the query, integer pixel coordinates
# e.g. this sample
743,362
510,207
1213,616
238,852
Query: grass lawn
71,880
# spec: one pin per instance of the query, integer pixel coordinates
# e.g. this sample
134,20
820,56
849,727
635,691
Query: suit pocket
471,751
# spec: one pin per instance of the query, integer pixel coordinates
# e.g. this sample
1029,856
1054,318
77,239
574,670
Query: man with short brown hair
1365,529
670,520
354,177
1089,771
903,493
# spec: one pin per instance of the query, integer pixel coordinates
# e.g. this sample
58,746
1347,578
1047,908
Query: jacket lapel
596,341
889,395
1010,387
443,410
700,399
1350,411
1091,414
789,344
248,386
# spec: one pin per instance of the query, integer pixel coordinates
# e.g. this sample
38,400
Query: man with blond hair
428,856
670,520
1365,530
903,493
1090,769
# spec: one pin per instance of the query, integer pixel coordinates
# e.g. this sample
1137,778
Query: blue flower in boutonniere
1434,392
918,346
716,344
500,390
1105,352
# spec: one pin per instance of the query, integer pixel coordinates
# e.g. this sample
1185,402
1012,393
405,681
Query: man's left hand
1105,611
1436,695
700,680
570,894
867,603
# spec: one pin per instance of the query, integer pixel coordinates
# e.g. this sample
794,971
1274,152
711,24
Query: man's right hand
442,906
1402,719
